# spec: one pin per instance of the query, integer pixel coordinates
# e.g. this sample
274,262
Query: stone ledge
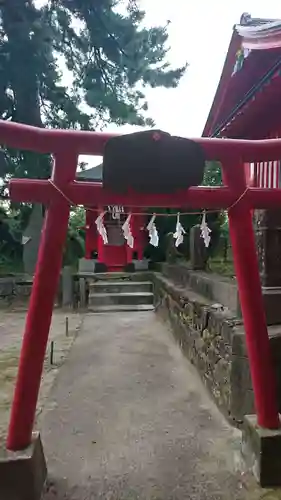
213,339
209,285
261,450
222,289
23,474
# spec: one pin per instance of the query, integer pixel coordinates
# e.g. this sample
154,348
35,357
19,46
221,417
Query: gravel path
130,419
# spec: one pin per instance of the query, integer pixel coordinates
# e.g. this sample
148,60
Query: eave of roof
246,121
261,37
92,174
258,34
228,66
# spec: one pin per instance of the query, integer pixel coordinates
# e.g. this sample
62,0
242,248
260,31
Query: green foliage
109,56
10,245
212,174
75,243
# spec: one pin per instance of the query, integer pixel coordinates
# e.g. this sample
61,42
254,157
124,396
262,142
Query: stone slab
261,450
272,301
212,286
23,474
67,286
115,308
120,286
141,265
87,265
130,298
198,253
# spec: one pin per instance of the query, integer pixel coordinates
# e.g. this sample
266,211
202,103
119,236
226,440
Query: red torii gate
56,194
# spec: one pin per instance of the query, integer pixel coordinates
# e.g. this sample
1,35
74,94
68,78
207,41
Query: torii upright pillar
41,304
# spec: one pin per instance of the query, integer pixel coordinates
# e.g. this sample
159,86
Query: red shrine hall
247,103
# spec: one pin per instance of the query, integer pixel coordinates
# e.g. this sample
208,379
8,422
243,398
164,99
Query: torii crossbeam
62,190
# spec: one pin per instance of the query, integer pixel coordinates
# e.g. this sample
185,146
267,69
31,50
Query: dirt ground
11,332
124,416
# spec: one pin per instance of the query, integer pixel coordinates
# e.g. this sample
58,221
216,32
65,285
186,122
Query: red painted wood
205,197
232,154
20,136
115,257
40,311
251,300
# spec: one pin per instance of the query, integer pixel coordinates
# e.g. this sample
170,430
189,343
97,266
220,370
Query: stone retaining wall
12,288
213,339
17,289
213,286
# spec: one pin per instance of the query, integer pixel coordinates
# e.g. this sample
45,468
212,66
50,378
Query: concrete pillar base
261,450
272,300
23,474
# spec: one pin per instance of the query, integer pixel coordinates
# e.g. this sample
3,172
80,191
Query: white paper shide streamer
178,235
152,231
101,228
205,231
126,228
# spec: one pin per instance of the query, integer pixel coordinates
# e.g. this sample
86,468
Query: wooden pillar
268,240
100,243
91,243
40,309
129,250
247,274
140,236
88,246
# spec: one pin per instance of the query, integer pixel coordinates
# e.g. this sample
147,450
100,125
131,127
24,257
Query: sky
199,33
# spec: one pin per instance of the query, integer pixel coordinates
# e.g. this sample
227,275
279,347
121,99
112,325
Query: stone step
121,308
134,298
120,287
114,276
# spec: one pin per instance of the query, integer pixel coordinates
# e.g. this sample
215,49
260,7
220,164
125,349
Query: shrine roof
253,57
91,174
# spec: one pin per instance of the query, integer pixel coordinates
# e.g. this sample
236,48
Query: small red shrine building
116,255
247,105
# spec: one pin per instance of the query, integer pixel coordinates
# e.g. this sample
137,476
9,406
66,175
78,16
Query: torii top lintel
66,145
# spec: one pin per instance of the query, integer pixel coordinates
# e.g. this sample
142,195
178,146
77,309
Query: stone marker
67,286
198,253
31,239
83,295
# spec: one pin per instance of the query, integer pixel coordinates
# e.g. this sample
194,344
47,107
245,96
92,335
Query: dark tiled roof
92,174
247,20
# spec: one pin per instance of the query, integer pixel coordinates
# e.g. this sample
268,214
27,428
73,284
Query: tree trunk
18,17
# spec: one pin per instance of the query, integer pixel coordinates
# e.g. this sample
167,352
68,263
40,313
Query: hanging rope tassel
101,227
178,235
205,230
152,231
126,228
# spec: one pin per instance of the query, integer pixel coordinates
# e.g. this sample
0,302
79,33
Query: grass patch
220,267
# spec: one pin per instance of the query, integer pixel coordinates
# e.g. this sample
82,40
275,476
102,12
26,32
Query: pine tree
110,56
